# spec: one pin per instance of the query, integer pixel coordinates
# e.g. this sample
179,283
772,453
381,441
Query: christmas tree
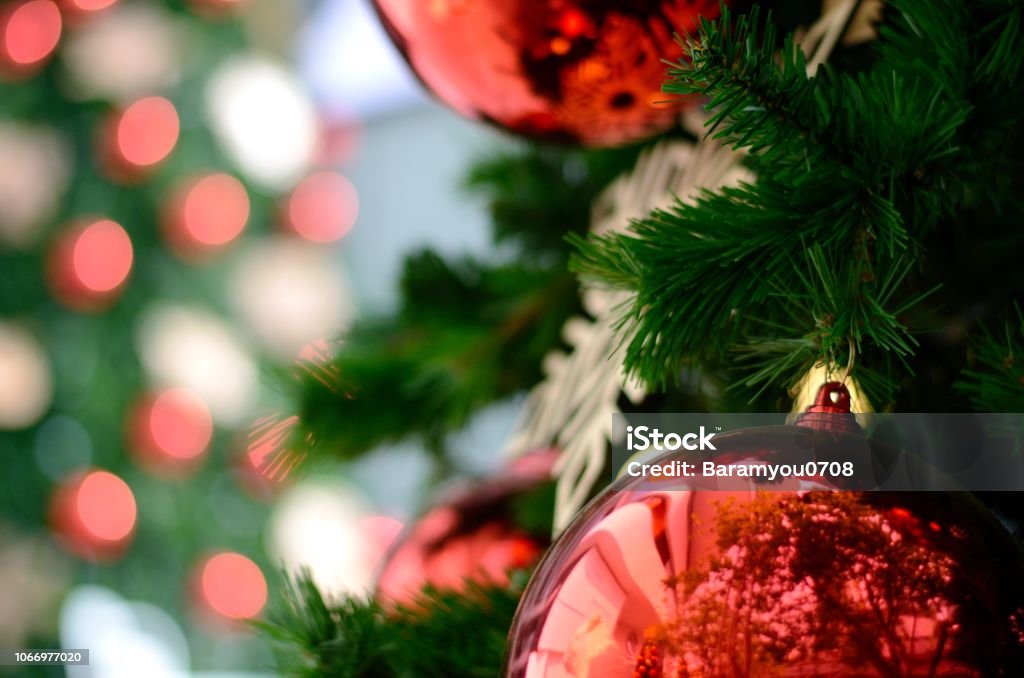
156,176
848,198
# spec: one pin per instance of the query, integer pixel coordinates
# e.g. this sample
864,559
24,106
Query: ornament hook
851,362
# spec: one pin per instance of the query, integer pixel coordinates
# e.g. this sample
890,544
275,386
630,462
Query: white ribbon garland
572,407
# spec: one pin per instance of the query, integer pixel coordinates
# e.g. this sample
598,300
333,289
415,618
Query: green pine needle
443,634
856,175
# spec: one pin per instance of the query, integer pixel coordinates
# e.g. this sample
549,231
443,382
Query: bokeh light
33,175
290,293
87,5
192,348
102,256
89,264
231,586
131,51
36,577
264,119
94,514
147,131
323,207
326,527
26,384
126,638
106,506
29,32
206,214
138,137
169,432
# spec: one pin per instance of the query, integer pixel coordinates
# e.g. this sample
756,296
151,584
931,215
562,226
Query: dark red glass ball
474,533
801,578
580,71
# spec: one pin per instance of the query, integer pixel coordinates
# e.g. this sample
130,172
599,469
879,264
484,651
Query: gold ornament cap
830,411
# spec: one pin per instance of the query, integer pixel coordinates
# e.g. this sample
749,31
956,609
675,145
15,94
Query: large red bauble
582,71
654,579
470,535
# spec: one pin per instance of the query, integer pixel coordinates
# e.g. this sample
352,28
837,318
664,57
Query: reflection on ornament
230,586
169,432
588,72
29,32
469,536
290,293
89,264
93,513
138,138
205,214
192,348
33,175
26,385
264,120
325,527
323,207
126,53
796,579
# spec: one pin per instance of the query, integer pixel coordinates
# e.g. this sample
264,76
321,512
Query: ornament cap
830,411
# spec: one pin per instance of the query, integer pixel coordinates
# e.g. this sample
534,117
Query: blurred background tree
168,202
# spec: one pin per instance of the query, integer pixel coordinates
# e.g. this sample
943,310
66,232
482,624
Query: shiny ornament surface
470,535
584,71
794,579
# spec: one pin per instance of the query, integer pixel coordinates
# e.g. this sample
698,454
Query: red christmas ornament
89,264
468,536
93,514
656,579
582,71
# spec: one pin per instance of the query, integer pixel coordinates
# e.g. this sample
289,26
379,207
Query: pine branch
536,195
995,383
466,335
468,332
316,637
856,172
358,638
